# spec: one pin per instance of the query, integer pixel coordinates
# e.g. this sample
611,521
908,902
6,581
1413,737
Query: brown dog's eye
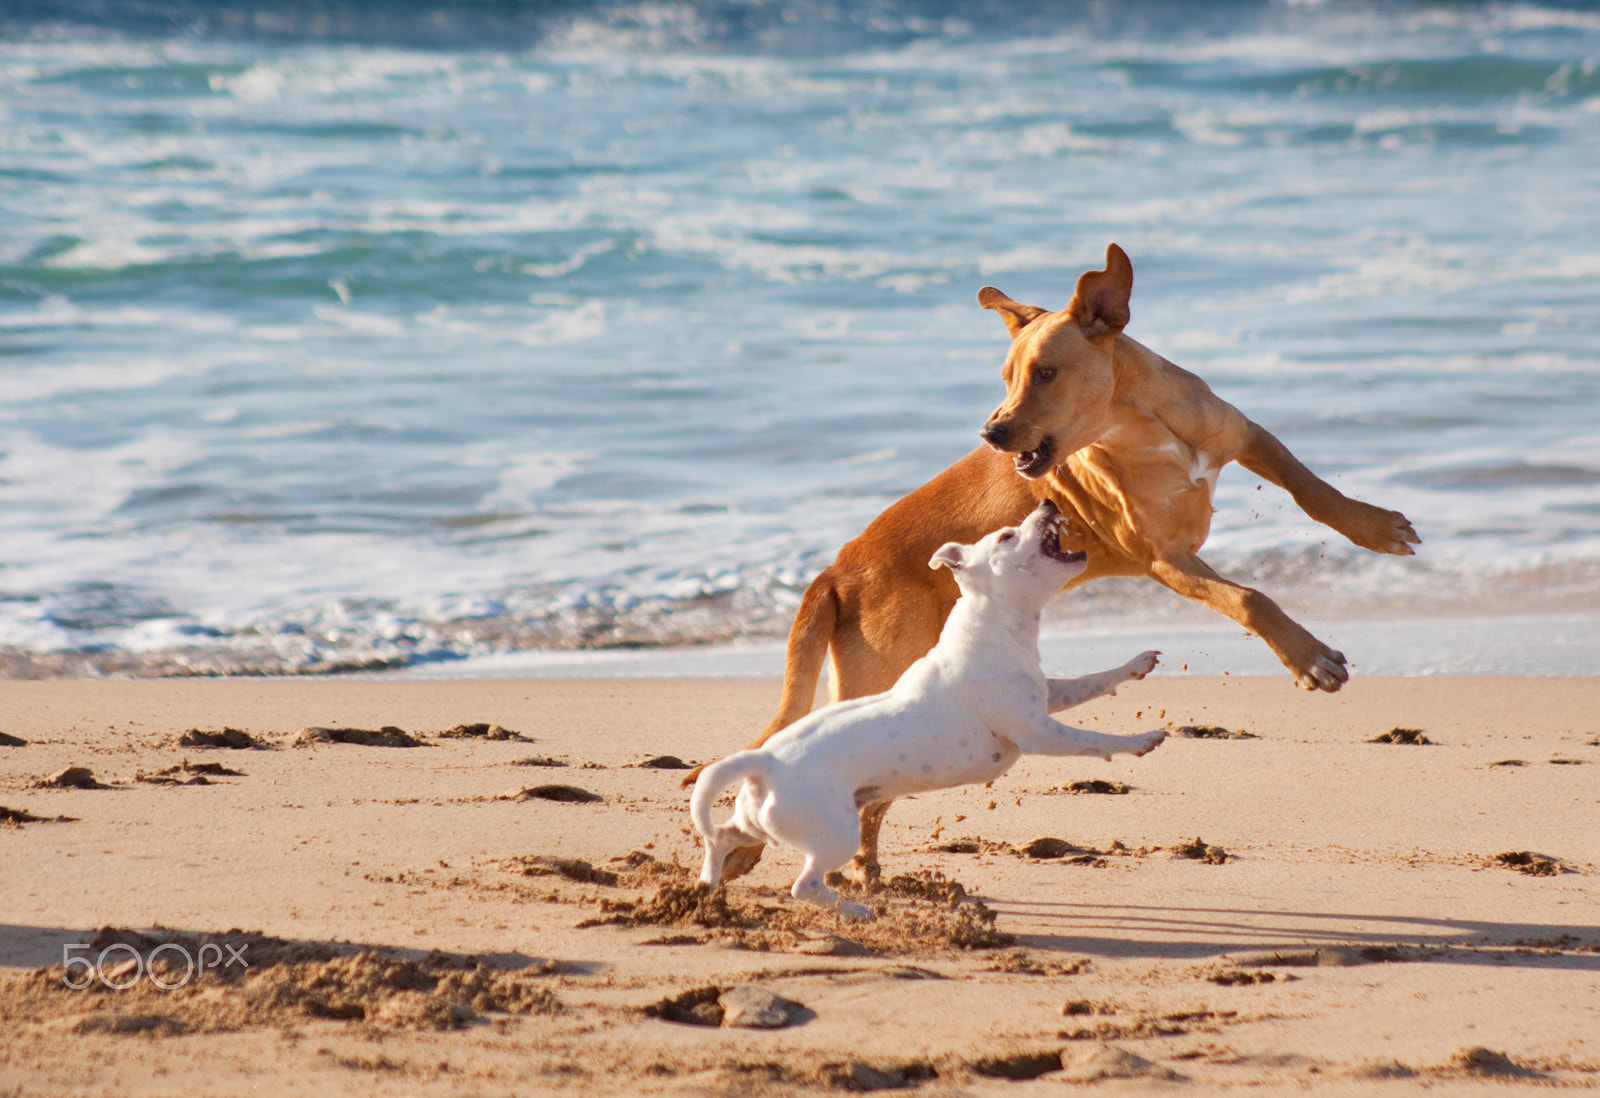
1044,373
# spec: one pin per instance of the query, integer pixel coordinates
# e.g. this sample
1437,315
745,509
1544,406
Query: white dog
961,714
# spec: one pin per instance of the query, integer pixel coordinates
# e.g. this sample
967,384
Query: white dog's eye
1008,535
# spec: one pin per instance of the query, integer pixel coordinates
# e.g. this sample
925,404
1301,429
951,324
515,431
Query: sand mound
1239,978
1490,1064
73,777
1020,962
16,817
663,762
1110,1062
1200,851
1045,848
566,794
168,982
228,737
1411,736
1018,1065
1211,732
743,1006
187,773
387,736
971,845
923,912
481,732
855,1075
1050,849
1094,785
573,869
1529,862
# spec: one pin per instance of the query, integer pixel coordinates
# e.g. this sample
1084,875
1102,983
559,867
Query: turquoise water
371,335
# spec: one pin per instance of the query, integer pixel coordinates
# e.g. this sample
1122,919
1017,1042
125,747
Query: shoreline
1397,639
1531,645
1380,856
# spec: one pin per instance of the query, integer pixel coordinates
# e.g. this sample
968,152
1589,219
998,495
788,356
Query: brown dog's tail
807,651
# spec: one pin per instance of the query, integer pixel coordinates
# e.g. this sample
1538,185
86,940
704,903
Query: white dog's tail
717,777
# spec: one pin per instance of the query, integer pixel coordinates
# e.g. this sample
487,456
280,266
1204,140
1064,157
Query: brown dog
1125,443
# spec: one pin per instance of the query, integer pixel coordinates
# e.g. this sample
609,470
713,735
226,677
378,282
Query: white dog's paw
1142,664
1150,741
849,909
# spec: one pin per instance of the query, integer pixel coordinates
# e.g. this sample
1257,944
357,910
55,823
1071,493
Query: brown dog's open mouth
1050,543
1034,463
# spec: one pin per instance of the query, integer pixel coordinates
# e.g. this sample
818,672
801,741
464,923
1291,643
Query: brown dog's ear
1017,316
951,554
1100,304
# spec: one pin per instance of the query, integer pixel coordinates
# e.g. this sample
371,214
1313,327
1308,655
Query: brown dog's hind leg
804,657
869,657
864,868
806,652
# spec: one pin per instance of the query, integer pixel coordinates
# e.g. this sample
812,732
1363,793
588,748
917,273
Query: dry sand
1346,928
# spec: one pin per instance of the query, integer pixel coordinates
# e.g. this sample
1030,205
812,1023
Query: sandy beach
421,920
421,422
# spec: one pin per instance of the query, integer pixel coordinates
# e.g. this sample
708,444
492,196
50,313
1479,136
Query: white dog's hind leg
809,886
733,835
826,831
1066,693
727,839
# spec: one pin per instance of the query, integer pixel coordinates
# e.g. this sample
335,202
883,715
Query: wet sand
1293,909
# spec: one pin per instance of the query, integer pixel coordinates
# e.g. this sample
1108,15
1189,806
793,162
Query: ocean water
401,335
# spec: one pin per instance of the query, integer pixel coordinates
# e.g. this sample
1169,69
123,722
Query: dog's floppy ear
1100,304
1017,316
952,555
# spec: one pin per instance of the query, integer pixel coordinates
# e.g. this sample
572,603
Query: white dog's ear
952,555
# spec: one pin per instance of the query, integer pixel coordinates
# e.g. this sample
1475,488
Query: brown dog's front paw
1404,538
1397,536
1326,671
1381,531
866,874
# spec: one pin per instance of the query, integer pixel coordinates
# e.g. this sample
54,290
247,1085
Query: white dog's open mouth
1050,543
1034,463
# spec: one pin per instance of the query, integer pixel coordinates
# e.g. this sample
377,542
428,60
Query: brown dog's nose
994,433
